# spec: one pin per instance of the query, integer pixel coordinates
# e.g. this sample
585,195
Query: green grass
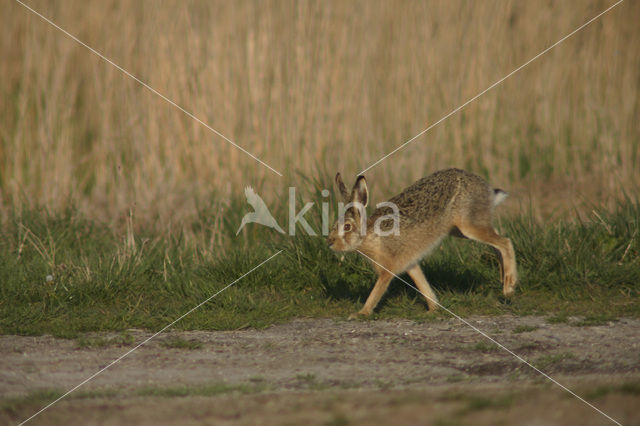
560,318
524,329
102,281
310,381
473,403
35,398
200,390
630,388
42,397
180,343
593,320
338,419
482,403
456,378
549,360
601,318
485,347
88,341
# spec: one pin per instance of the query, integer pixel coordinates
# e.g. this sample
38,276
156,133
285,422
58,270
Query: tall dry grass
311,88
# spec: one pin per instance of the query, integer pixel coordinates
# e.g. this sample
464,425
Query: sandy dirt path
322,370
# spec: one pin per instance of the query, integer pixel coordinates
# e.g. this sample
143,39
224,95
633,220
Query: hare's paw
361,314
509,285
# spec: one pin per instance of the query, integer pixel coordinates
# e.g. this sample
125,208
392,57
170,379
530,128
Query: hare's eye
346,227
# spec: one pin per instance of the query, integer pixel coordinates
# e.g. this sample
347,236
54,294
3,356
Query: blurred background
312,88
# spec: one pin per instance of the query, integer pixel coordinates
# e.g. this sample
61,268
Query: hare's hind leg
506,254
423,286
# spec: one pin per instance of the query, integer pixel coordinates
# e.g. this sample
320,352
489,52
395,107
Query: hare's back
431,196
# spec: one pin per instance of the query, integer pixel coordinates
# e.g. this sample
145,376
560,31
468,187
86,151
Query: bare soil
323,371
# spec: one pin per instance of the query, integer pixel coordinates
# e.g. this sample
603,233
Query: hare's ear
360,193
342,188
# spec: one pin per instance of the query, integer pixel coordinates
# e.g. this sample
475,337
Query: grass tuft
200,390
123,339
594,320
180,343
38,397
631,388
549,360
524,329
485,347
561,318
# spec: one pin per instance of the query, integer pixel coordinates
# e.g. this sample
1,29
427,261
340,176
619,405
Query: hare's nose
330,241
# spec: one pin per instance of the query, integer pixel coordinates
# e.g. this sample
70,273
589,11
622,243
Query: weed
558,319
550,360
91,341
456,378
180,343
485,347
307,377
524,329
200,390
481,403
92,394
383,385
310,381
338,419
43,396
473,402
631,388
37,397
594,320
445,421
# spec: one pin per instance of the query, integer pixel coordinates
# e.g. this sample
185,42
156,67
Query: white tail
499,196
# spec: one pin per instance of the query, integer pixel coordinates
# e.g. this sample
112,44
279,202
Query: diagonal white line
149,338
495,341
490,87
145,85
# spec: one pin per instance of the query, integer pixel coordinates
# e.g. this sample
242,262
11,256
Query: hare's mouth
333,245
340,249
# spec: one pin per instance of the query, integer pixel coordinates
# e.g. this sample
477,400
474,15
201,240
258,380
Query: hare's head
351,227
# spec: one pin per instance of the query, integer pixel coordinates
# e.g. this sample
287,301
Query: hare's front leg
384,278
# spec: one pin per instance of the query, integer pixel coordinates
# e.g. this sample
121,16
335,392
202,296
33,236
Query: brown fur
448,202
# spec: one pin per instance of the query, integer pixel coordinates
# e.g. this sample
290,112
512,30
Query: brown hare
403,230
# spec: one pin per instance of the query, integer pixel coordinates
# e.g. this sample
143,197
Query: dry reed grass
311,88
